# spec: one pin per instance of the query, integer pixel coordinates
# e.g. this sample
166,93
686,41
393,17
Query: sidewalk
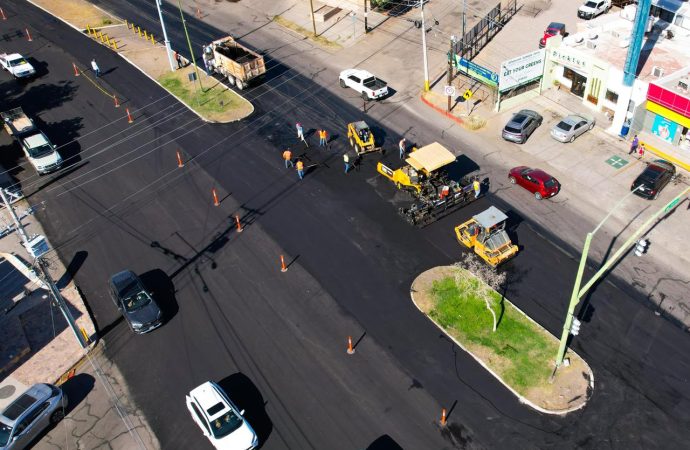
36,344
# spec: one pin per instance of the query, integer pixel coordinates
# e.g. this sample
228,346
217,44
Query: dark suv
653,179
134,302
521,126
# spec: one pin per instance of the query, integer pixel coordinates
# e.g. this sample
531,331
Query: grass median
513,347
214,102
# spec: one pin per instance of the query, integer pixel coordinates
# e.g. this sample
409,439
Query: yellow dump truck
486,233
421,165
230,59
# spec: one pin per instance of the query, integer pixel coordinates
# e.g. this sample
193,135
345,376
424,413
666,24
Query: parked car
653,178
554,29
571,127
593,8
29,414
521,126
135,303
369,87
17,65
219,419
536,181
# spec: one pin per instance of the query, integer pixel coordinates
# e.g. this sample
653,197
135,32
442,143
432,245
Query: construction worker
287,156
477,187
346,159
322,138
178,58
300,169
445,191
95,68
402,146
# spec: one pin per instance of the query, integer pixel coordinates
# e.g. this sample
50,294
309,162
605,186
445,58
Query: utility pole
464,22
313,20
165,36
578,292
451,56
189,43
426,61
43,267
366,23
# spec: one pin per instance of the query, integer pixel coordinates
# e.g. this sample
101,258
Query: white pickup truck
17,65
38,149
369,87
593,8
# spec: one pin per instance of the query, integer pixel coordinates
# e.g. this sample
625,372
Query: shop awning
667,113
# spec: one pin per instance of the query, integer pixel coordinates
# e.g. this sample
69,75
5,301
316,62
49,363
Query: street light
578,292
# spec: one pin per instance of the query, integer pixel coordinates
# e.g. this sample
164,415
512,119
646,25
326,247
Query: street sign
672,205
449,91
467,95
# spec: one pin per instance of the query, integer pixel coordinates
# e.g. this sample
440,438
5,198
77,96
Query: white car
369,87
17,65
592,8
219,419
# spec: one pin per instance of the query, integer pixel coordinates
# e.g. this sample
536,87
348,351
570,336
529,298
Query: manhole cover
7,391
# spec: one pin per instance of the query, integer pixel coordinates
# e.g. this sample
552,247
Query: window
611,96
355,79
202,419
683,22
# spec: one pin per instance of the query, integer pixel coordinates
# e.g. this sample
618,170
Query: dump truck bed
232,58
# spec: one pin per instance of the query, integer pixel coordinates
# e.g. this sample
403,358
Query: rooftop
678,82
607,38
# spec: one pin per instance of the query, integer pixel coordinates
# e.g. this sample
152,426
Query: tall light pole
578,292
426,61
165,36
189,43
43,267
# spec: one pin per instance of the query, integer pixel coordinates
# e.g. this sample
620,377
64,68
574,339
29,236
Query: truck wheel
240,84
537,195
342,84
358,149
365,97
231,80
352,142
512,180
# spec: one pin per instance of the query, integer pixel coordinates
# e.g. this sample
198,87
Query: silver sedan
571,127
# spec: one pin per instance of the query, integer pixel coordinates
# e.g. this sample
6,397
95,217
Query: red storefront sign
669,99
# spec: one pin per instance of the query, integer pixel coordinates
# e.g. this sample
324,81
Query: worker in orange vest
287,156
300,169
322,138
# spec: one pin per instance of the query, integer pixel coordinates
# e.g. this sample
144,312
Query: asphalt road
233,311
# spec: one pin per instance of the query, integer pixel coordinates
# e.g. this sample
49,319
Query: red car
538,182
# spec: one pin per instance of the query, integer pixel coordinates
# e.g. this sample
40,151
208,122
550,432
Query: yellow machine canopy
430,157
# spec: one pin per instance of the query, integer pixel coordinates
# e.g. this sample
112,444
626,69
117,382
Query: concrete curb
561,412
80,30
439,110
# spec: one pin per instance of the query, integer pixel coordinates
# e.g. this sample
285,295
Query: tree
488,281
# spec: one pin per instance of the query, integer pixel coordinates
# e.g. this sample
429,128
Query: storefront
666,126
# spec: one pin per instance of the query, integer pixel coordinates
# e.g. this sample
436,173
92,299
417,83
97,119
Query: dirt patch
79,13
568,390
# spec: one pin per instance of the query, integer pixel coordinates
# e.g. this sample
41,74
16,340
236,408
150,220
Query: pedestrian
641,150
633,145
322,138
287,156
300,131
477,187
402,146
346,160
178,58
300,169
95,68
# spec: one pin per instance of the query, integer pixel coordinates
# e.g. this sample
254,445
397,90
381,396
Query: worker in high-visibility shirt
287,156
477,187
300,169
322,138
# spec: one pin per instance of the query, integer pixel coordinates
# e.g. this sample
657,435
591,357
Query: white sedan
219,419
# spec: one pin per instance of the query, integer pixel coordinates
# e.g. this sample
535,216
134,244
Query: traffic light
575,327
641,247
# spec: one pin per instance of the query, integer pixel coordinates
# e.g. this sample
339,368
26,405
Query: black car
521,126
134,302
653,179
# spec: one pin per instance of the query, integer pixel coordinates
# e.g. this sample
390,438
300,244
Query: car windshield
225,424
565,126
370,82
17,62
5,433
40,151
139,300
511,129
550,183
591,5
